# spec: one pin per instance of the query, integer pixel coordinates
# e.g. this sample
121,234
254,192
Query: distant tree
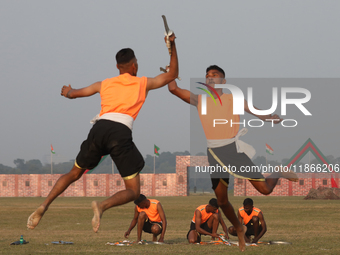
33,166
8,170
20,163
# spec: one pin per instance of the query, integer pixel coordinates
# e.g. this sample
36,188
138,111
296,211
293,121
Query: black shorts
203,226
227,156
148,225
250,228
114,138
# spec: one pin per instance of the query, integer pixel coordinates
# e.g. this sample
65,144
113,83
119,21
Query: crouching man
149,217
205,222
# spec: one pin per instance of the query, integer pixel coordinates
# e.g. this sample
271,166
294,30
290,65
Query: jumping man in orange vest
253,219
225,150
149,217
205,222
121,100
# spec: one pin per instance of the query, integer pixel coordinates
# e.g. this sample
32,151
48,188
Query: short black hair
215,67
248,201
213,202
140,199
125,56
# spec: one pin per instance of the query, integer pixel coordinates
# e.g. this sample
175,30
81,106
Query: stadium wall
91,185
171,184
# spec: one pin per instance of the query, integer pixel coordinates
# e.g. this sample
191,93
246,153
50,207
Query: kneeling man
205,222
149,217
253,219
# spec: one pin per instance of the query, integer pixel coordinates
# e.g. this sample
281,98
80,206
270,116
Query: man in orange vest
253,219
225,150
205,222
121,100
149,217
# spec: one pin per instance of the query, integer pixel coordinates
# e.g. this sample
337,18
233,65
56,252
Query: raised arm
163,218
69,92
183,94
133,223
165,78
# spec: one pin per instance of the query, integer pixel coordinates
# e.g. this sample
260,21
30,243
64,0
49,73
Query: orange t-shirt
246,218
152,211
218,111
123,94
204,214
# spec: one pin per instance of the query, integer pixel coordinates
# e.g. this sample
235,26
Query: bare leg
156,230
256,225
266,187
192,237
221,193
213,224
131,192
140,224
61,185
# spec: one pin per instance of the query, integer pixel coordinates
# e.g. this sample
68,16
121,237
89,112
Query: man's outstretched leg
131,193
61,185
266,187
221,193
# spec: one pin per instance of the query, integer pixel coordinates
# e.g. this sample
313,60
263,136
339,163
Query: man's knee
192,236
232,230
142,216
255,219
155,229
215,216
192,240
266,191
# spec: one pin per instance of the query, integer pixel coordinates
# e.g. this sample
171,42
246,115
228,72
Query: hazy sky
47,44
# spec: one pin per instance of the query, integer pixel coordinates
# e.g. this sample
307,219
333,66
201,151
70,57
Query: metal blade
165,24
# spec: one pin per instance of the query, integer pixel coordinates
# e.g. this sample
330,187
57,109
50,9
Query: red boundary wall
286,188
95,185
173,184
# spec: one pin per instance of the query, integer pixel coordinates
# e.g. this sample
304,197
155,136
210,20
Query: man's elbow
172,89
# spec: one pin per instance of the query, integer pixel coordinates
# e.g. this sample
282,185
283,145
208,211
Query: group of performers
121,100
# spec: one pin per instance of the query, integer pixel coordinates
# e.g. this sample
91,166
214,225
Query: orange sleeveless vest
152,211
123,94
246,218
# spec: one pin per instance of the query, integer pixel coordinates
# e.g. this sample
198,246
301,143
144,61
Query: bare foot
97,216
34,218
241,241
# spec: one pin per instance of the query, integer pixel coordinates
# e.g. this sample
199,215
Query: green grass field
311,226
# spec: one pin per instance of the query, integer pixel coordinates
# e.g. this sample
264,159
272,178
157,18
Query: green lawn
311,226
